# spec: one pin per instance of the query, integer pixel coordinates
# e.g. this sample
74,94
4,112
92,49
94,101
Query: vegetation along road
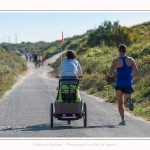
25,111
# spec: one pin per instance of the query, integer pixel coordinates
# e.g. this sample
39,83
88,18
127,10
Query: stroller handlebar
77,80
60,77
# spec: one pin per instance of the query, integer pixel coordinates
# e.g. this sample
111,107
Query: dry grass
11,65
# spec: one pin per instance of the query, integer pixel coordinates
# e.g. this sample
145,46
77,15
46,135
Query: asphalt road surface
25,112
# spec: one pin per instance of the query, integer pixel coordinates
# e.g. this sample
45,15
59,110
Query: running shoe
130,104
122,122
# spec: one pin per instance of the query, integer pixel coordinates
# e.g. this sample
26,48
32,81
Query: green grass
11,65
53,49
95,62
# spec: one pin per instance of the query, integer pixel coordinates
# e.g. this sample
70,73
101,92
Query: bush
11,65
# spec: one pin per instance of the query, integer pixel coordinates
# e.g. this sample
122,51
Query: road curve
25,111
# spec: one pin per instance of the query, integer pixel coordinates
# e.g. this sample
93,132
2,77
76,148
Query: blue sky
48,26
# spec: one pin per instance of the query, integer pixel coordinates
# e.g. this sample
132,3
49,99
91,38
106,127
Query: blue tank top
124,74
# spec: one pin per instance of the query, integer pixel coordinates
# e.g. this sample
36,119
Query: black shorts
125,89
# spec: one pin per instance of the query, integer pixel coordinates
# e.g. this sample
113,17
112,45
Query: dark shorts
124,88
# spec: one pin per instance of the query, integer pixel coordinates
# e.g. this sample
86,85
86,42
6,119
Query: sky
34,26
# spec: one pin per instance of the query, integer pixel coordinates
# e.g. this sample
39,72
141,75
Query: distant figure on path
30,57
35,59
38,60
26,56
43,60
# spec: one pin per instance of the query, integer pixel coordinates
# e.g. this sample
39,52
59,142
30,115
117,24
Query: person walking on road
30,57
35,59
126,70
43,60
38,60
26,56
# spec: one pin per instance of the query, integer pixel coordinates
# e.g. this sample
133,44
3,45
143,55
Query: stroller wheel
84,115
51,115
69,121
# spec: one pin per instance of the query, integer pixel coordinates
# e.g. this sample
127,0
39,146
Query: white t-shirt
38,57
70,67
41,58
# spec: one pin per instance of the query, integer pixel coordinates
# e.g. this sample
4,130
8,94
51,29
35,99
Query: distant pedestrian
26,56
38,60
35,59
43,60
30,57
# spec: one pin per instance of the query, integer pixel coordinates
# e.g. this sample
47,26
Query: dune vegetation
11,65
95,51
97,48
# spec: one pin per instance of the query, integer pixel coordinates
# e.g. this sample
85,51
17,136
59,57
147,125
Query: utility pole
16,39
8,44
3,39
8,41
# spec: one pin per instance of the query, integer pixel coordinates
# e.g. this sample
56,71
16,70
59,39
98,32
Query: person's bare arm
59,71
134,69
79,71
112,68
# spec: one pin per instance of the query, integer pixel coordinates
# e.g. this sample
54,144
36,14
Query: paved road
25,112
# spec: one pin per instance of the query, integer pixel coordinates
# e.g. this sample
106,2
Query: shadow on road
41,127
